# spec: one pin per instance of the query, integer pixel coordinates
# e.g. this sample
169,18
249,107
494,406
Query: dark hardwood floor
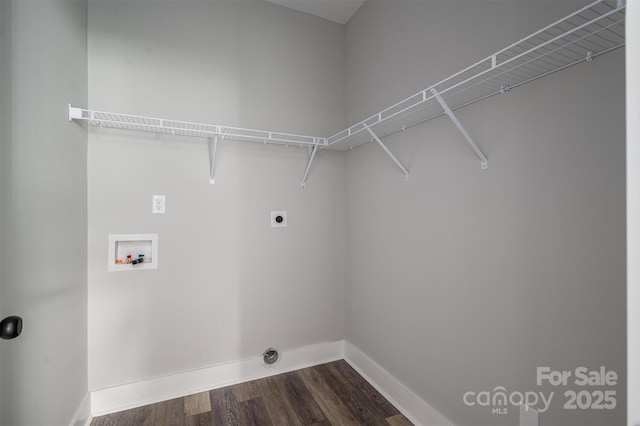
327,394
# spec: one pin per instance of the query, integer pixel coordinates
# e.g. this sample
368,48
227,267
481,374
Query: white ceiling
339,11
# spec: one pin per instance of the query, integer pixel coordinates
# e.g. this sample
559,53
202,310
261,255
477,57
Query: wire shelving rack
582,36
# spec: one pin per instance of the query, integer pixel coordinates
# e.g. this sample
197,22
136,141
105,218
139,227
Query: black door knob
10,327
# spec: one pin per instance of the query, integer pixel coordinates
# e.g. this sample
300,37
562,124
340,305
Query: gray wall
633,216
43,221
464,280
228,286
5,101
458,280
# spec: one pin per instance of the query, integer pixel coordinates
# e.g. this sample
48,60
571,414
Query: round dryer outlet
270,356
279,219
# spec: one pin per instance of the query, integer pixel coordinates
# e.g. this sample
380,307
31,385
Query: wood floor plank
254,413
224,407
100,420
245,391
277,404
303,403
365,388
108,420
170,413
197,404
202,419
146,415
333,408
399,420
134,417
330,394
364,408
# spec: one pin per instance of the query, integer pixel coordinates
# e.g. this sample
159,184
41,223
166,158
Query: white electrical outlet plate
279,219
158,204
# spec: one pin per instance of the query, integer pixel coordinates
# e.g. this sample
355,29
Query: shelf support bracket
74,113
306,171
213,150
389,153
483,159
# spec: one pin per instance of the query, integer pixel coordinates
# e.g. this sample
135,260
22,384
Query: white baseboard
409,404
82,416
106,401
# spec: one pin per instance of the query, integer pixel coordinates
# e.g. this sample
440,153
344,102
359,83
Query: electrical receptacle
158,204
279,219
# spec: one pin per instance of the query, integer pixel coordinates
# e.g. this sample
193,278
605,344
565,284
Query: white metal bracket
74,113
389,153
306,171
483,159
213,150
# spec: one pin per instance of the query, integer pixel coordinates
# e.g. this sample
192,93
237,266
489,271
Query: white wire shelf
163,126
582,36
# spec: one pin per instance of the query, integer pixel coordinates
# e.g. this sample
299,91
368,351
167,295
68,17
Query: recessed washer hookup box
129,252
